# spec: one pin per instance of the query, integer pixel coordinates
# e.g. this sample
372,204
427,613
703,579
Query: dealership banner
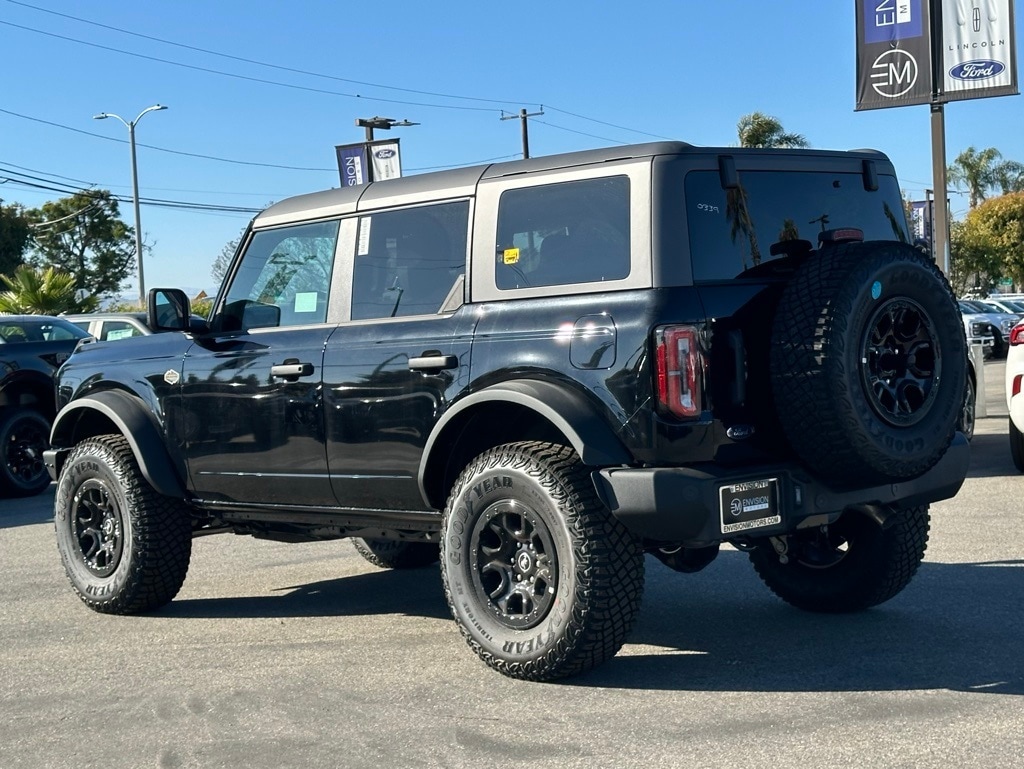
894,59
352,164
978,49
385,159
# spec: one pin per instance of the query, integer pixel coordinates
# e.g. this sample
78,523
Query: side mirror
167,309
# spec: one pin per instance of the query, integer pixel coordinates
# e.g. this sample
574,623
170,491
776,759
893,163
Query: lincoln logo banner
978,49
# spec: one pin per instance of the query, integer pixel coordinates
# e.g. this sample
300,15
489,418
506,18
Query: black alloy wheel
901,366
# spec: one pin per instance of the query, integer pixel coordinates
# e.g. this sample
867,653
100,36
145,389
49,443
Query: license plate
750,505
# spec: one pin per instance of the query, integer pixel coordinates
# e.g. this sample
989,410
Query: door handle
433,362
291,370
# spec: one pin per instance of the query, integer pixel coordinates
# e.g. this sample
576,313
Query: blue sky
605,74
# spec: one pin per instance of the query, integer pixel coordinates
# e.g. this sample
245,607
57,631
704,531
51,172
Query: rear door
390,372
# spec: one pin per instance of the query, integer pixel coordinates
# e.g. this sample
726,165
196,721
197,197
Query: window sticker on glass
364,236
510,256
120,333
305,301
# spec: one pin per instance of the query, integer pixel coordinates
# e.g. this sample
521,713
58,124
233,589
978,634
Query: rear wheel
846,566
396,554
1017,447
24,436
125,548
542,580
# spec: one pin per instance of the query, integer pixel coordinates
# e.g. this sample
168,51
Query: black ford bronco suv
536,372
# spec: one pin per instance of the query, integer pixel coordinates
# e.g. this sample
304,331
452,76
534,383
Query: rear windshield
732,231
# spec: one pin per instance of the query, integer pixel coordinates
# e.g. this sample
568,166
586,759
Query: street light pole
135,187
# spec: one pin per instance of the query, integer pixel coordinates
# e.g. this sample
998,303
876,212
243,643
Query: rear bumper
683,504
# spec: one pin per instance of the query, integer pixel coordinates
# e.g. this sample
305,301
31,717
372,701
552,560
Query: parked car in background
109,326
32,348
976,313
978,330
1014,396
1012,306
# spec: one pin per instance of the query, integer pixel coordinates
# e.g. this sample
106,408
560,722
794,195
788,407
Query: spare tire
868,363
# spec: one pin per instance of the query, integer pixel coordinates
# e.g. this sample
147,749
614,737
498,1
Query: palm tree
1010,176
760,130
47,292
977,171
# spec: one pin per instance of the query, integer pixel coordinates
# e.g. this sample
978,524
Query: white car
1015,393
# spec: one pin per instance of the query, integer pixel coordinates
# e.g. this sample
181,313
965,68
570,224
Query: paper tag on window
510,256
305,301
363,247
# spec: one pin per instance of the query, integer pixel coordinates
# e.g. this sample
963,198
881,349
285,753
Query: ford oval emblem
979,69
740,432
384,154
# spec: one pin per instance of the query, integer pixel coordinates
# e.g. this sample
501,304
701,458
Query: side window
283,279
118,329
558,234
407,260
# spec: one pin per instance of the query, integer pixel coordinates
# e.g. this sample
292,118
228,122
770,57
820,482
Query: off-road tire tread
808,350
609,588
396,554
162,545
902,548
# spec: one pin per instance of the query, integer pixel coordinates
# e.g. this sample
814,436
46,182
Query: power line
219,159
264,81
310,73
262,63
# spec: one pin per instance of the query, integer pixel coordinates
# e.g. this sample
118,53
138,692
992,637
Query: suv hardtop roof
461,182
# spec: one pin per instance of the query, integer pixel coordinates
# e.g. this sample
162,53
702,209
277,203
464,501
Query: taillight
679,371
1017,334
1015,388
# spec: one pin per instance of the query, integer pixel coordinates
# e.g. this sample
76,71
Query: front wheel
125,548
24,436
542,580
846,566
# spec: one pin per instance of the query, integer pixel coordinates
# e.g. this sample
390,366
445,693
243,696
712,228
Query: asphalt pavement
279,655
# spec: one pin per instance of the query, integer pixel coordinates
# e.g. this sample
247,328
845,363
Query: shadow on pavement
414,592
956,627
27,511
990,456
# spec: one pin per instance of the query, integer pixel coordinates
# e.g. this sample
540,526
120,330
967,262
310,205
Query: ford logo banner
979,69
388,153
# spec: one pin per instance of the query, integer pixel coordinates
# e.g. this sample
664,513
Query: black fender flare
575,417
134,421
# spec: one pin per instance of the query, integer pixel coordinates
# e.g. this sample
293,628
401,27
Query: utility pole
523,115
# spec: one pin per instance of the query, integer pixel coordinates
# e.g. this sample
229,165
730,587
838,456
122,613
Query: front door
252,415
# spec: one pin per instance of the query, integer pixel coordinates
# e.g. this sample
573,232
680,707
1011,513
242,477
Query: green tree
980,171
84,236
43,292
760,130
15,235
990,240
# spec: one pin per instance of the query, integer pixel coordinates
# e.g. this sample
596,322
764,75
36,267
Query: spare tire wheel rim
98,527
514,564
900,362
